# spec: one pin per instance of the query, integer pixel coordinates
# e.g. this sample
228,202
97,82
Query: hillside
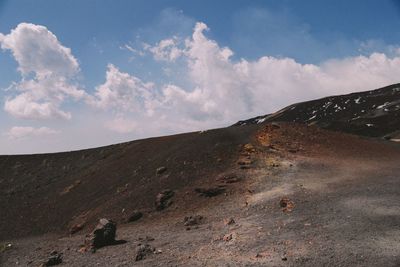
374,113
51,192
278,191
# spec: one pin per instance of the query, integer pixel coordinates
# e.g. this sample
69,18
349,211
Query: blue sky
213,51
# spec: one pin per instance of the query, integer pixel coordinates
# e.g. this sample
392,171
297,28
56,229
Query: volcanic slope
293,195
373,113
52,192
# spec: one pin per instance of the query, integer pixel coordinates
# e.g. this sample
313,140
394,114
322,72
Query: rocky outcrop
103,235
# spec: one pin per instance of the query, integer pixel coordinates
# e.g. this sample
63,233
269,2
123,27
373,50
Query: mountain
374,113
300,187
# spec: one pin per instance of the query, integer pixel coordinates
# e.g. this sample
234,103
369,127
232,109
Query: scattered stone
76,228
228,179
54,259
210,192
286,204
103,235
163,199
193,220
143,250
227,237
161,170
136,215
229,221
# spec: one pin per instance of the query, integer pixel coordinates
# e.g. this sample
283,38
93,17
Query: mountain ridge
373,113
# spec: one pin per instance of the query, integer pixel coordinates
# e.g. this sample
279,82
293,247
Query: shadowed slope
50,192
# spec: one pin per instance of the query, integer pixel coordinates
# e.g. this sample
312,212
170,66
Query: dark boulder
163,199
102,235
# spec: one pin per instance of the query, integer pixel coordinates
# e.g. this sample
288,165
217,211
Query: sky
80,74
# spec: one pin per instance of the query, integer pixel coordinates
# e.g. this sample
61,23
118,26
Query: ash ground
344,191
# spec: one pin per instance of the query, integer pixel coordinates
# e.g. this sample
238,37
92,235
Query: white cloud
20,132
24,106
166,50
207,87
224,91
122,92
47,68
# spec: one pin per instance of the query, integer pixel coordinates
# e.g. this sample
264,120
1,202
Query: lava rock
54,259
161,170
103,235
163,199
143,250
210,192
193,220
286,204
136,215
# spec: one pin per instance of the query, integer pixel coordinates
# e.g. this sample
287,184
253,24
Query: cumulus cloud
122,92
207,87
25,106
165,50
48,69
19,132
223,90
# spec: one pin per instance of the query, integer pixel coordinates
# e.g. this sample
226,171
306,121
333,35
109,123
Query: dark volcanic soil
298,196
51,192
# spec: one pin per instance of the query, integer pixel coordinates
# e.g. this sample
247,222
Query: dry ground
342,193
